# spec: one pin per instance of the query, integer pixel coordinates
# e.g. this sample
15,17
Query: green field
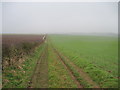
64,61
96,55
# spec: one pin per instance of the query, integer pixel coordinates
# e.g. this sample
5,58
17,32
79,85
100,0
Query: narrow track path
67,68
40,76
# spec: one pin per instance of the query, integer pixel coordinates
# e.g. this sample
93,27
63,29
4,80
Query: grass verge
19,76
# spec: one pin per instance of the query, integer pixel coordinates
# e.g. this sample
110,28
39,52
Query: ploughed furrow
40,76
82,74
68,69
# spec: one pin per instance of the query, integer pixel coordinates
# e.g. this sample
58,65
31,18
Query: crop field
95,55
59,61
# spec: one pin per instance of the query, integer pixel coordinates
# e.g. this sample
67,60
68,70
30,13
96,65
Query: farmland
60,61
96,55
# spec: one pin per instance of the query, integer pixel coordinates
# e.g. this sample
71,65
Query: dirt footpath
40,75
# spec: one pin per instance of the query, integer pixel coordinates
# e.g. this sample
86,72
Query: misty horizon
51,18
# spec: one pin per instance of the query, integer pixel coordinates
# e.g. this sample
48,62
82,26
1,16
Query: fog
59,17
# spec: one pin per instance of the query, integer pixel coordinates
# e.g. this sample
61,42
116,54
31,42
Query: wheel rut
39,78
68,69
84,75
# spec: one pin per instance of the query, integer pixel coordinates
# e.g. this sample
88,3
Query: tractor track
68,69
84,75
39,77
81,72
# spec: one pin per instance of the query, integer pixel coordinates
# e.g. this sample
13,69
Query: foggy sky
33,17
